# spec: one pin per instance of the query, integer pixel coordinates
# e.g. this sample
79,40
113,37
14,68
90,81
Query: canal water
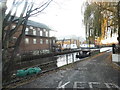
71,58
106,49
56,61
67,59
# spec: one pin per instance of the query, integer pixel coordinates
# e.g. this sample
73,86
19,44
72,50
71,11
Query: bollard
67,58
113,48
73,57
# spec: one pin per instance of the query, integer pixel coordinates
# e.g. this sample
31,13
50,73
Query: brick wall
31,46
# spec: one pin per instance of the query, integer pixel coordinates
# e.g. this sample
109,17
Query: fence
41,60
48,63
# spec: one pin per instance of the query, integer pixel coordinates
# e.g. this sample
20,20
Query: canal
54,61
71,58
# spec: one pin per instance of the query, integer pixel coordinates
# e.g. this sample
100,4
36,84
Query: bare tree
2,12
9,52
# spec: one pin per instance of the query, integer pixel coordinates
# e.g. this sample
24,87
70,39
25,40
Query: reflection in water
66,59
105,49
70,58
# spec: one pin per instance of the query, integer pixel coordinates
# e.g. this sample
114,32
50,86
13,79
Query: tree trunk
9,54
118,27
2,15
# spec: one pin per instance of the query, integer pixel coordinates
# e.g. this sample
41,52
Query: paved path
93,73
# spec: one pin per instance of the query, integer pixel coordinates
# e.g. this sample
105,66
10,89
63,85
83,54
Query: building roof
37,24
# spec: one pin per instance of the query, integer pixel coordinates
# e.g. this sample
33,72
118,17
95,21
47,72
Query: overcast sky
64,16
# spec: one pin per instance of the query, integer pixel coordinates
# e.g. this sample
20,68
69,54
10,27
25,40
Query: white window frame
34,32
34,41
14,37
26,31
38,28
31,27
53,41
26,40
41,33
46,33
41,41
74,42
13,26
44,30
47,41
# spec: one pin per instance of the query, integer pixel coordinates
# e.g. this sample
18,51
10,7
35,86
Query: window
46,33
34,32
26,31
31,27
13,26
14,39
46,41
34,41
38,28
53,41
41,41
44,30
40,33
74,42
26,40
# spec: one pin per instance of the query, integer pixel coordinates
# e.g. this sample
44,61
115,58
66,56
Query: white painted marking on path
91,84
83,85
76,85
117,87
108,85
62,86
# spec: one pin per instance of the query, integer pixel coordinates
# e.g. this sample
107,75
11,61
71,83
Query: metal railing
51,63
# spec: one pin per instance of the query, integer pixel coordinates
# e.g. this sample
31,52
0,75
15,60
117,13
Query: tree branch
42,9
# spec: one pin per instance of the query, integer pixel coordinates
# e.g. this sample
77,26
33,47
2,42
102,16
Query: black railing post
73,57
113,48
67,58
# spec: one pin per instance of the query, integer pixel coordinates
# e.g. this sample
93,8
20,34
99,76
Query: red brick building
37,38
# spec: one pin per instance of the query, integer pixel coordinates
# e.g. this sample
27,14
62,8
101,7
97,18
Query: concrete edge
113,64
116,66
